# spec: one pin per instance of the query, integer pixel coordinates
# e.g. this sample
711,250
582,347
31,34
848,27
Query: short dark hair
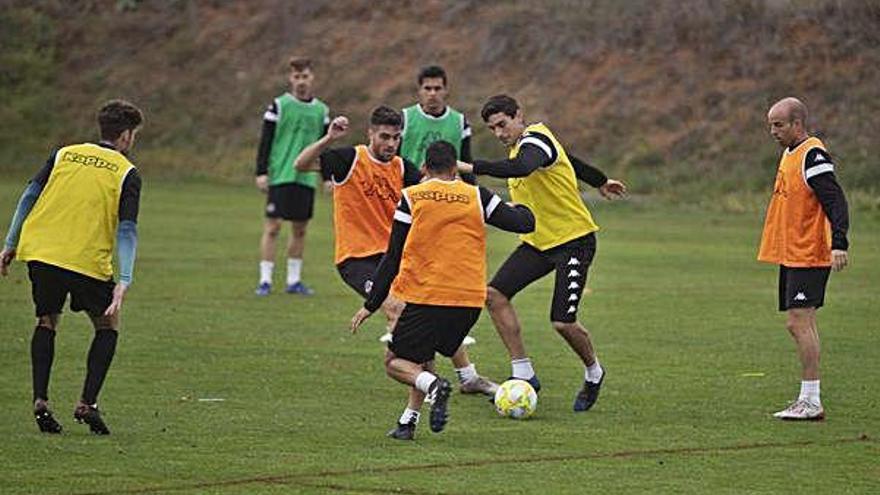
431,71
440,156
499,104
299,63
385,115
118,116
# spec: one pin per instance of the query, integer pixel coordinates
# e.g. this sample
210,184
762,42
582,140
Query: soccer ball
516,399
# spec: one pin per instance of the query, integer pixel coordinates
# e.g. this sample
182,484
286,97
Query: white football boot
802,410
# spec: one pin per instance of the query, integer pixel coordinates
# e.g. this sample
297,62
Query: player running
543,177
80,205
436,258
367,180
429,120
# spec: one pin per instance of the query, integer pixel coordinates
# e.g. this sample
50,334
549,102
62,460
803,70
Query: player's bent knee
48,321
299,229
272,228
494,298
389,356
563,326
104,322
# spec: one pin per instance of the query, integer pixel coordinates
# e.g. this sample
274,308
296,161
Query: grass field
683,316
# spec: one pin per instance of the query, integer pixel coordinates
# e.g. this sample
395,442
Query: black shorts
51,284
358,272
802,287
570,261
423,330
294,202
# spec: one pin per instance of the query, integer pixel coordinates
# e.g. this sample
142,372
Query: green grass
680,310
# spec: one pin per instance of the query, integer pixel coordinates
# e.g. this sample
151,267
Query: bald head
788,121
790,109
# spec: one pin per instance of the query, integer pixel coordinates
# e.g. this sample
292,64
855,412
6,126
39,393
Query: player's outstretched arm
509,217
535,151
608,188
613,189
308,157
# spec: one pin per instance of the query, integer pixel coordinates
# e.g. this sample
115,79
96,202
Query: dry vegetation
670,94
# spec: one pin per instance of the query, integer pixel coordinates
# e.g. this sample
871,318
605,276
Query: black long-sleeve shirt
267,135
536,151
819,173
518,219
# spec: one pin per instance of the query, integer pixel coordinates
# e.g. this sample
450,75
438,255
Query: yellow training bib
73,223
552,194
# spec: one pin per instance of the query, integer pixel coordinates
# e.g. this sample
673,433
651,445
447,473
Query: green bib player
292,121
431,119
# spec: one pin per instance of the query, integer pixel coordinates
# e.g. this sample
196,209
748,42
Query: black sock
100,357
42,354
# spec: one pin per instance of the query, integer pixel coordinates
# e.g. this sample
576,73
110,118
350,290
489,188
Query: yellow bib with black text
73,223
552,194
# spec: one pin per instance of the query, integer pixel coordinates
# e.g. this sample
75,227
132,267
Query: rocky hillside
671,95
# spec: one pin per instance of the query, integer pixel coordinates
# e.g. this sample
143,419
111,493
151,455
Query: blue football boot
588,395
300,289
263,289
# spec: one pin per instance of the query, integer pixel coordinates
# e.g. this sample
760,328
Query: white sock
522,368
409,416
593,373
294,269
467,373
810,391
424,381
266,268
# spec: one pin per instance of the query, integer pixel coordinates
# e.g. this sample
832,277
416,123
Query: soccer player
805,234
429,120
291,122
543,177
367,181
80,205
436,258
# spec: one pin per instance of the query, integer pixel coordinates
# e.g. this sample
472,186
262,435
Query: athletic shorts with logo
50,286
357,273
570,261
294,202
424,329
802,287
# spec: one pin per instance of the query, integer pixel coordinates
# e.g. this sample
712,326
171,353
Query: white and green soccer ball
516,399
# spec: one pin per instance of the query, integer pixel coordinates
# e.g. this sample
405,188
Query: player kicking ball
436,264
